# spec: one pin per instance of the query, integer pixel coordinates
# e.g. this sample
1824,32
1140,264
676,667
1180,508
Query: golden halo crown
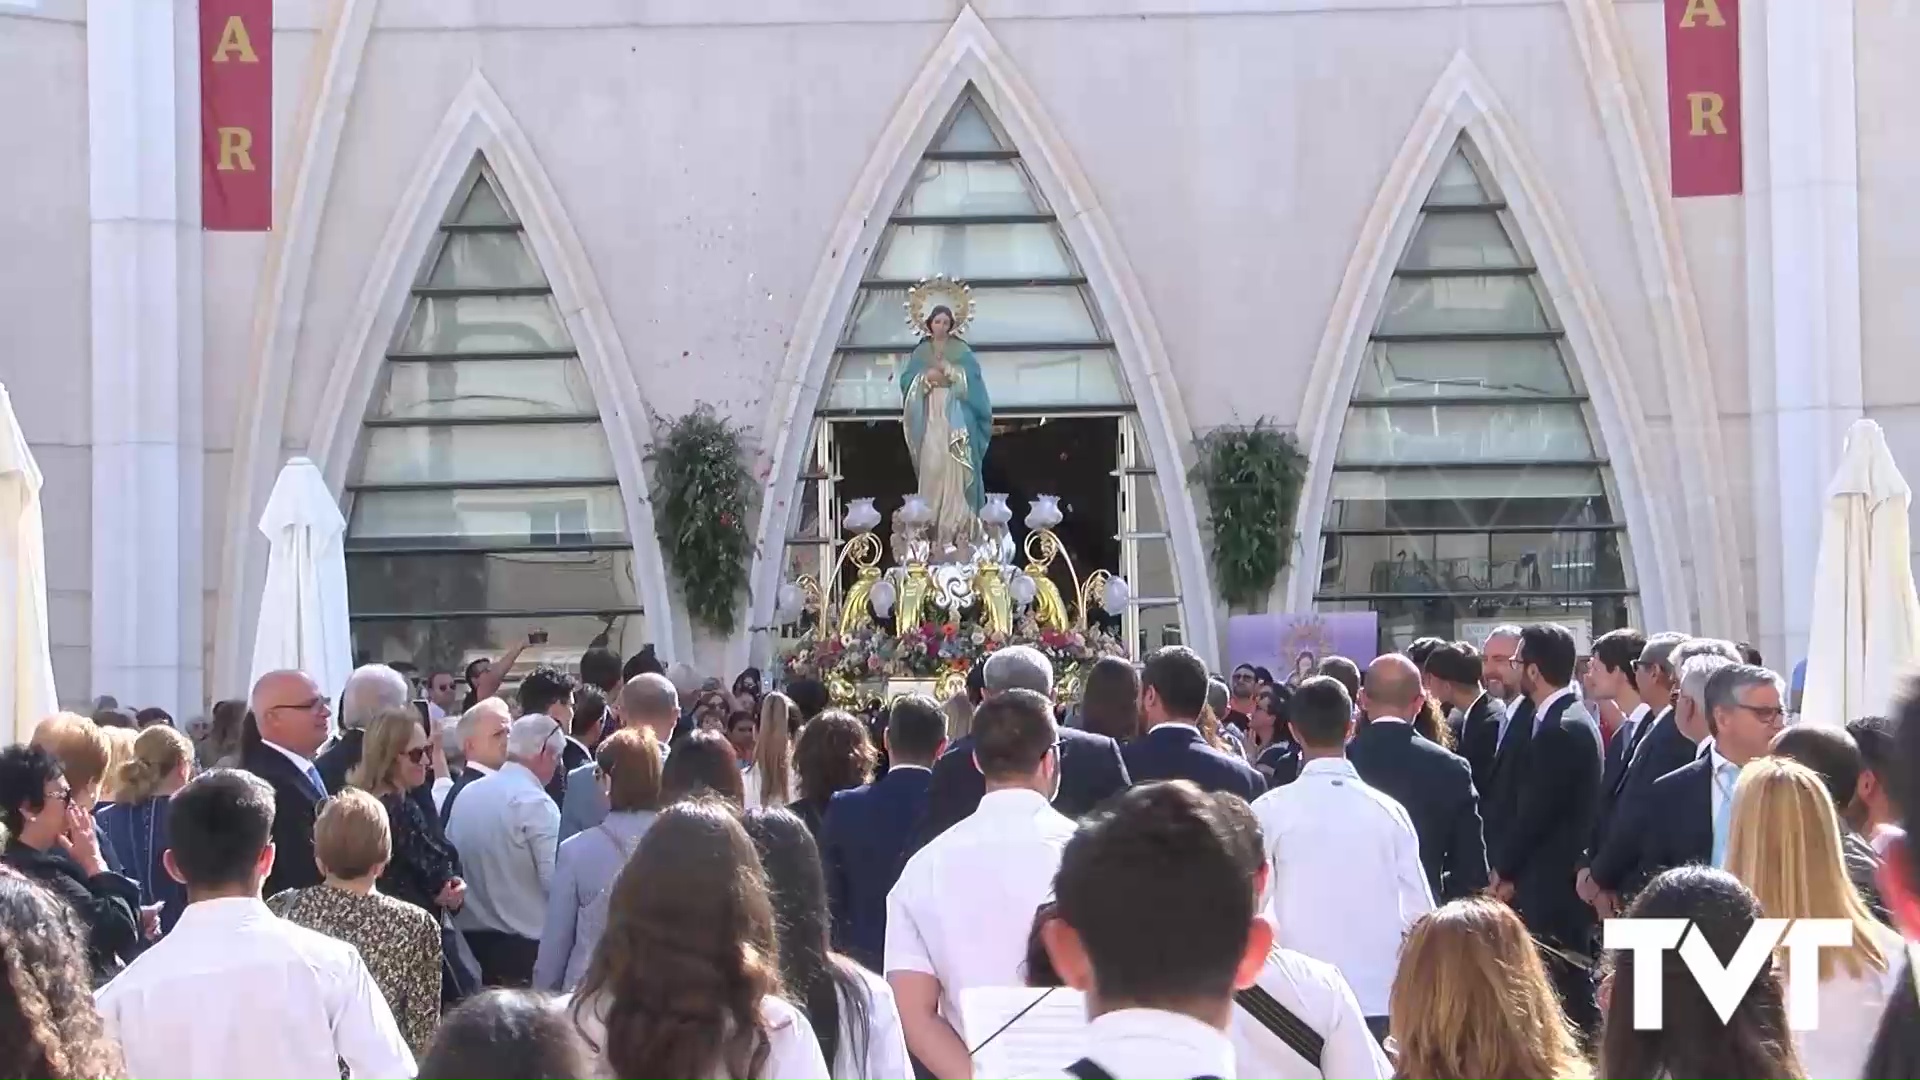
939,291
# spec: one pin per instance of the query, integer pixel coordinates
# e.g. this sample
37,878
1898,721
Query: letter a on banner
236,115
1703,96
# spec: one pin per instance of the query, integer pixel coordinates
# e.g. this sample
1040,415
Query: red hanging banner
236,115
1703,96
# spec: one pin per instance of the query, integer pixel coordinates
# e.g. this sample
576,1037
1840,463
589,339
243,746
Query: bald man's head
651,700
290,711
1392,686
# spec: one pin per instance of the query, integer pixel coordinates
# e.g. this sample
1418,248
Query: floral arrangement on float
920,625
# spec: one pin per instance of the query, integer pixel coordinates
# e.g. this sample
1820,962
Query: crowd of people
1395,871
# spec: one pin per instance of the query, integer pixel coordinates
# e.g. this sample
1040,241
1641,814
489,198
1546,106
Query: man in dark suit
1513,731
1091,769
1173,690
1665,742
1533,860
1435,787
1613,675
863,839
291,717
1453,678
1684,815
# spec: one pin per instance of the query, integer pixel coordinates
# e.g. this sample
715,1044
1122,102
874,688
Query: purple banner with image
1286,644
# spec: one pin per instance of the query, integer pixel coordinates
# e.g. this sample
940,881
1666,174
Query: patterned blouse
399,943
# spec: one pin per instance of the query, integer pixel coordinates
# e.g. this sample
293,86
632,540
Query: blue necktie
1723,778
319,785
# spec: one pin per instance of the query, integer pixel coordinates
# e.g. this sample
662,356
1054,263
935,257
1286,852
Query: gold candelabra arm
863,551
1042,548
1092,593
853,610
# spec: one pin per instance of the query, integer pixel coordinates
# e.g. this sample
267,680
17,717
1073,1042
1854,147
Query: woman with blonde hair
400,943
1784,844
393,761
135,823
1471,999
770,780
119,752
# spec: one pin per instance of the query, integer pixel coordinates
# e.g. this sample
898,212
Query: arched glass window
1064,421
484,503
1471,486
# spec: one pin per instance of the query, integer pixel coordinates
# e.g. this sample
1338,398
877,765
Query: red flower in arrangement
950,629
726,518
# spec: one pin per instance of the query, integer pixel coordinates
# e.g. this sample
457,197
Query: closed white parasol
26,675
303,608
1866,617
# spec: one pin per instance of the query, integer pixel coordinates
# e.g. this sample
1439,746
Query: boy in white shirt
234,990
1160,992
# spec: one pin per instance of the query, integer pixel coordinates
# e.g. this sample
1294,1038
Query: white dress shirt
302,763
507,831
1347,877
1152,1044
886,1049
963,908
1322,999
442,785
792,1051
1540,714
236,991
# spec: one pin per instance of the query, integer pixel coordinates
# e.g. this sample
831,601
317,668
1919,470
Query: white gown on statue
941,469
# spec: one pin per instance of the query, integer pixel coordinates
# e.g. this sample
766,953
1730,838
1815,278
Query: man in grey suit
645,701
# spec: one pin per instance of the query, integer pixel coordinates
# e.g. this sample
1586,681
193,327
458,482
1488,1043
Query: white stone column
142,110
1803,232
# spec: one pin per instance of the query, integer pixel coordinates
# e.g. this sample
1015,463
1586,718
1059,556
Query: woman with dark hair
685,981
1692,1040
1110,699
701,764
224,736
747,690
833,754
506,1033
852,1010
49,1029
1278,758
51,840
424,869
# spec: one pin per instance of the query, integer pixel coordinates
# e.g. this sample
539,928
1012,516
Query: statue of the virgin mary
947,415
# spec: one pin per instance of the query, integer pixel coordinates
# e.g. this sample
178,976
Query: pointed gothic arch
1462,110
969,65
595,403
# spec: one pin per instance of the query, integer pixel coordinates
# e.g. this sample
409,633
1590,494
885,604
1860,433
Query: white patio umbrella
1866,618
303,608
26,675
